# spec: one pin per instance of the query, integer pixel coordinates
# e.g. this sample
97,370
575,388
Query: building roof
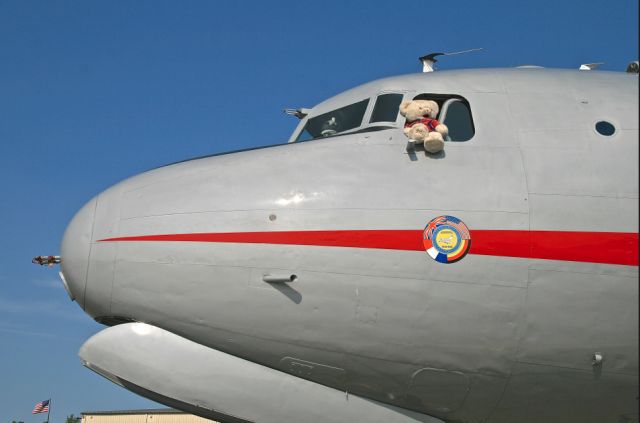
141,411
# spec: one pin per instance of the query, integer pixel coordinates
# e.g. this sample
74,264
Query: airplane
348,275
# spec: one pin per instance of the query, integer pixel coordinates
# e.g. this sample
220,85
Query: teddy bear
422,126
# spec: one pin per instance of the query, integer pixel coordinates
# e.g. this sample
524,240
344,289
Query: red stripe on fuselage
591,247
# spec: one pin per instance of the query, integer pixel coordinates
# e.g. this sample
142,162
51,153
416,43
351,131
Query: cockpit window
455,112
386,108
334,122
457,117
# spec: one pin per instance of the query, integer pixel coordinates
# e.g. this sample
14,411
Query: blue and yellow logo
446,239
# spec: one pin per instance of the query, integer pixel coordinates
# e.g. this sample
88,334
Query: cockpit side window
455,112
457,116
386,108
334,122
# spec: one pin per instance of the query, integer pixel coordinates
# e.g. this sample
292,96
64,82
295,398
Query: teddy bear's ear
403,107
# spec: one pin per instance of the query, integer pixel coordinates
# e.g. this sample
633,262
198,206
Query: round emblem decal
446,239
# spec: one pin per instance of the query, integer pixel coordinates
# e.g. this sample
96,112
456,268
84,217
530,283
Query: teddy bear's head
415,109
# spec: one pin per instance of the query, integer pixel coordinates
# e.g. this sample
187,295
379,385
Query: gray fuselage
493,337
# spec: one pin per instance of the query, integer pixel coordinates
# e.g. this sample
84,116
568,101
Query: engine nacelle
172,370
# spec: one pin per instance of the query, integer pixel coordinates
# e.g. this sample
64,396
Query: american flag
462,229
41,407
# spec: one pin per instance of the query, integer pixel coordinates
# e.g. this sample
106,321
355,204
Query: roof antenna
429,60
590,66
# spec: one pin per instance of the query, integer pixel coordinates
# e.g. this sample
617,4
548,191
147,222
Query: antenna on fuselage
590,66
429,60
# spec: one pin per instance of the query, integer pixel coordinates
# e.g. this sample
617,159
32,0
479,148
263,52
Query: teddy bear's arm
443,129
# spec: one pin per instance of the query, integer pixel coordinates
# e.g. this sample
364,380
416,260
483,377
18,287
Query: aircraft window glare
334,122
458,120
386,108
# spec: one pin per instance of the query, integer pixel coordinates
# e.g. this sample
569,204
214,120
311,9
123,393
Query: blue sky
92,92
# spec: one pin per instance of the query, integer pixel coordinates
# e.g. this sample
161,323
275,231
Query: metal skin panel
352,180
391,324
563,119
559,303
557,394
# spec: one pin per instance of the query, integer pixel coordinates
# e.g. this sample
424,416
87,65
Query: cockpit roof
469,81
462,82
435,82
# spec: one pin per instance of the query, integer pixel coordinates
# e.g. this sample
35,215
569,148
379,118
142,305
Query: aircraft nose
75,250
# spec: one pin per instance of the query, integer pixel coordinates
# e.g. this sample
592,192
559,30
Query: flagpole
49,410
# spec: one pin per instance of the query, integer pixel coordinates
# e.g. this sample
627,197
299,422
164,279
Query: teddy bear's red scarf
427,121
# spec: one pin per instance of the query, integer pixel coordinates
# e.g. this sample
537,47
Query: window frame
301,126
373,108
446,101
365,125
407,95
